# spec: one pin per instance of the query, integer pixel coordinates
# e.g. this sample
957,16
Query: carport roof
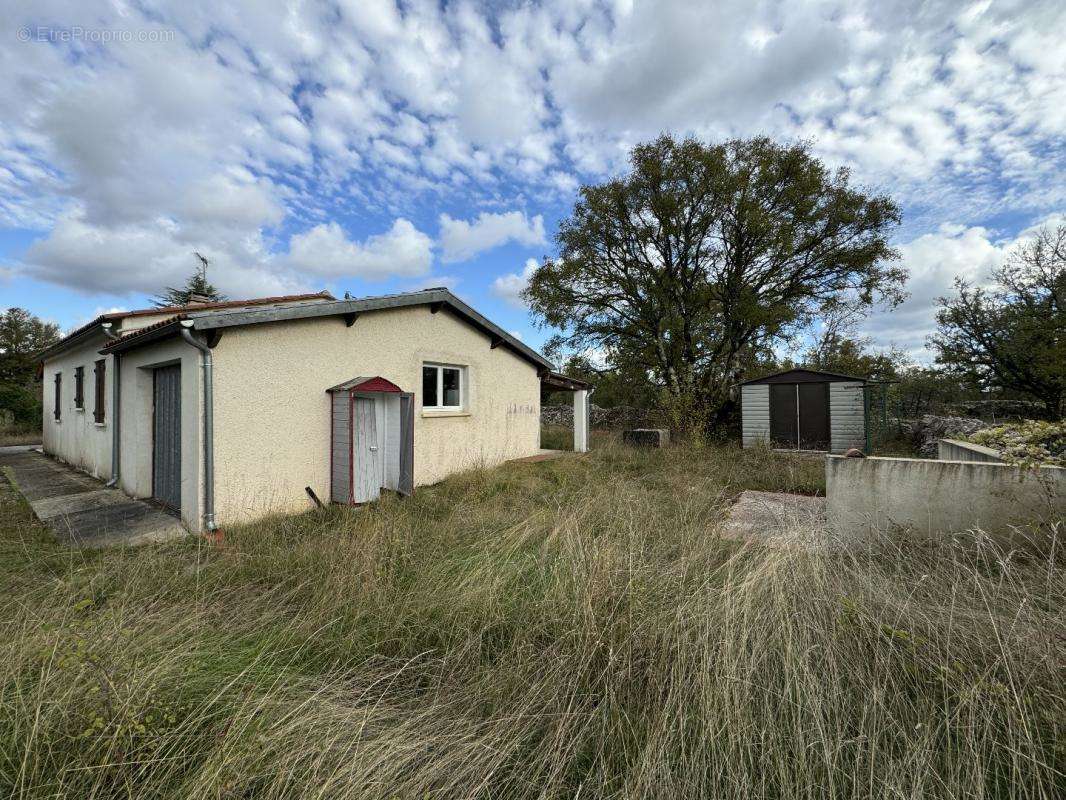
558,381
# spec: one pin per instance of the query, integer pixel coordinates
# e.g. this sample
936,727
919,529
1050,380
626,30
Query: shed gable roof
803,376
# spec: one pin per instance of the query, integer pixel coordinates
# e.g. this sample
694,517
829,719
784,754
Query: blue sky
367,147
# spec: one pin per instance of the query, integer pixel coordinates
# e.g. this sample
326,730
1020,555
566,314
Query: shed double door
799,415
166,436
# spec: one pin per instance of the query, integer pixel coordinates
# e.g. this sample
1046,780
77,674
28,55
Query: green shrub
1028,443
20,407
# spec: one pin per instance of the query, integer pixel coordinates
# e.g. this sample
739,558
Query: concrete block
646,437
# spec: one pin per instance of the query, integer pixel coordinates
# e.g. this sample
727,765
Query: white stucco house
225,412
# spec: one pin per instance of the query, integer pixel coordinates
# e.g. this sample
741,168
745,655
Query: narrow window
451,383
99,396
443,387
79,388
56,407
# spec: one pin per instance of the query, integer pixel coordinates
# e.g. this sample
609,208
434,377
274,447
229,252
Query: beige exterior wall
272,413
76,438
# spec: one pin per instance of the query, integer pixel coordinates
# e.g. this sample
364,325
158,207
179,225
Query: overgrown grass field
572,628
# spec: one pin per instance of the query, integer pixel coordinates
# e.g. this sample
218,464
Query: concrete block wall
866,495
954,450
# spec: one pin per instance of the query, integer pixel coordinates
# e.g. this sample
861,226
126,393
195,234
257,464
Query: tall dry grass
567,629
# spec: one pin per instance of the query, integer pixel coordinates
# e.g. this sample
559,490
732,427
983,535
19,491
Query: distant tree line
22,337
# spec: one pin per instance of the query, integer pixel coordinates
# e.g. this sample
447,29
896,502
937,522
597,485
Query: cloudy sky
366,146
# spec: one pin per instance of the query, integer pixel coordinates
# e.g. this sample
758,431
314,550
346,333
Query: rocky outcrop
927,431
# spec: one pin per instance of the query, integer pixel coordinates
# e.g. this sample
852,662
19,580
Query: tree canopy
848,355
22,337
196,289
1013,333
704,254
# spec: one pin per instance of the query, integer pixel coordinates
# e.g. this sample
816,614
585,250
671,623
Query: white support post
581,421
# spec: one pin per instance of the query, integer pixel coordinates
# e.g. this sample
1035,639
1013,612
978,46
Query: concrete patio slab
777,519
80,510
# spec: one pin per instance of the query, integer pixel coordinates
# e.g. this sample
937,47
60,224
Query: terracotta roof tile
256,301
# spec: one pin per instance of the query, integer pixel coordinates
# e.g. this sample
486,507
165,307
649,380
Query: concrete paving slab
73,503
778,519
115,524
53,486
80,510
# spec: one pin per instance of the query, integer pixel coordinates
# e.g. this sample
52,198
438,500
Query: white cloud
124,156
509,287
325,250
935,260
461,240
146,258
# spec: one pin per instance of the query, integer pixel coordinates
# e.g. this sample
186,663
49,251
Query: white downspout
209,423
116,394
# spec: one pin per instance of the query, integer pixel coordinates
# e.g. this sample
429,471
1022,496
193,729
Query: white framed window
443,387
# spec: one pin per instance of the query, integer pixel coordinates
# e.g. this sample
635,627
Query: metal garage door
166,436
799,415
784,420
814,416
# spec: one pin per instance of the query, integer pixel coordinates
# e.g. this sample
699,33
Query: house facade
228,413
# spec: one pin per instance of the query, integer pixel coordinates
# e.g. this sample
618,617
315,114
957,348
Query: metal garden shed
803,409
371,440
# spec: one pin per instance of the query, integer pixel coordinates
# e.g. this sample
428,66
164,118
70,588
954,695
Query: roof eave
138,339
80,336
210,321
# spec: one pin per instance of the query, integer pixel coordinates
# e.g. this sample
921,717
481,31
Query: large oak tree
703,254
